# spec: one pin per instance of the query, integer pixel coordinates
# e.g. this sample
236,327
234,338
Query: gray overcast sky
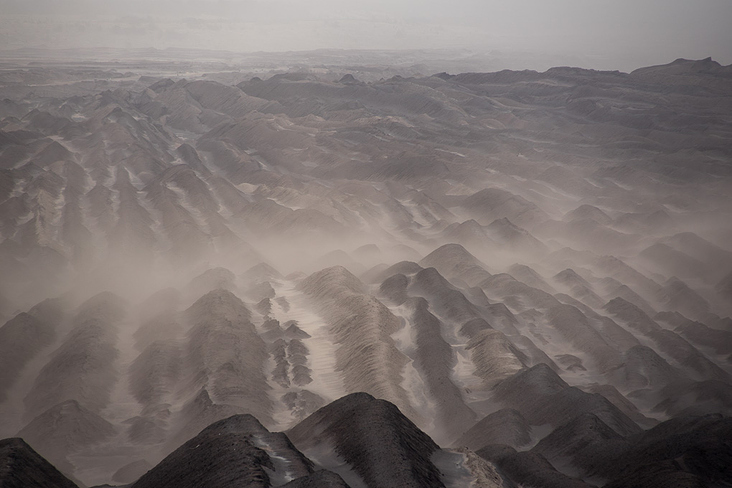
623,33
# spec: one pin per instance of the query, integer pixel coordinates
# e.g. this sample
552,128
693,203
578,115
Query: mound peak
382,445
22,467
539,380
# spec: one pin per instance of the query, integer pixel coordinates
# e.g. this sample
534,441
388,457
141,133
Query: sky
619,34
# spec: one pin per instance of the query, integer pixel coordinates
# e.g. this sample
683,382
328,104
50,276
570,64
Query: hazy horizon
620,35
270,243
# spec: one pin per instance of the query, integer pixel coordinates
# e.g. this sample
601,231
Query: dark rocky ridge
82,368
319,479
225,354
21,467
223,454
528,468
362,326
436,359
585,442
543,397
506,426
21,338
381,445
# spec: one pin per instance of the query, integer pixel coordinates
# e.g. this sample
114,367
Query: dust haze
600,34
363,245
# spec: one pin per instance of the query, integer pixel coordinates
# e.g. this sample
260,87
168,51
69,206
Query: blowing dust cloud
365,244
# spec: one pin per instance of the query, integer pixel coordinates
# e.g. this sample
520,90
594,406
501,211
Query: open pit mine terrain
328,275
